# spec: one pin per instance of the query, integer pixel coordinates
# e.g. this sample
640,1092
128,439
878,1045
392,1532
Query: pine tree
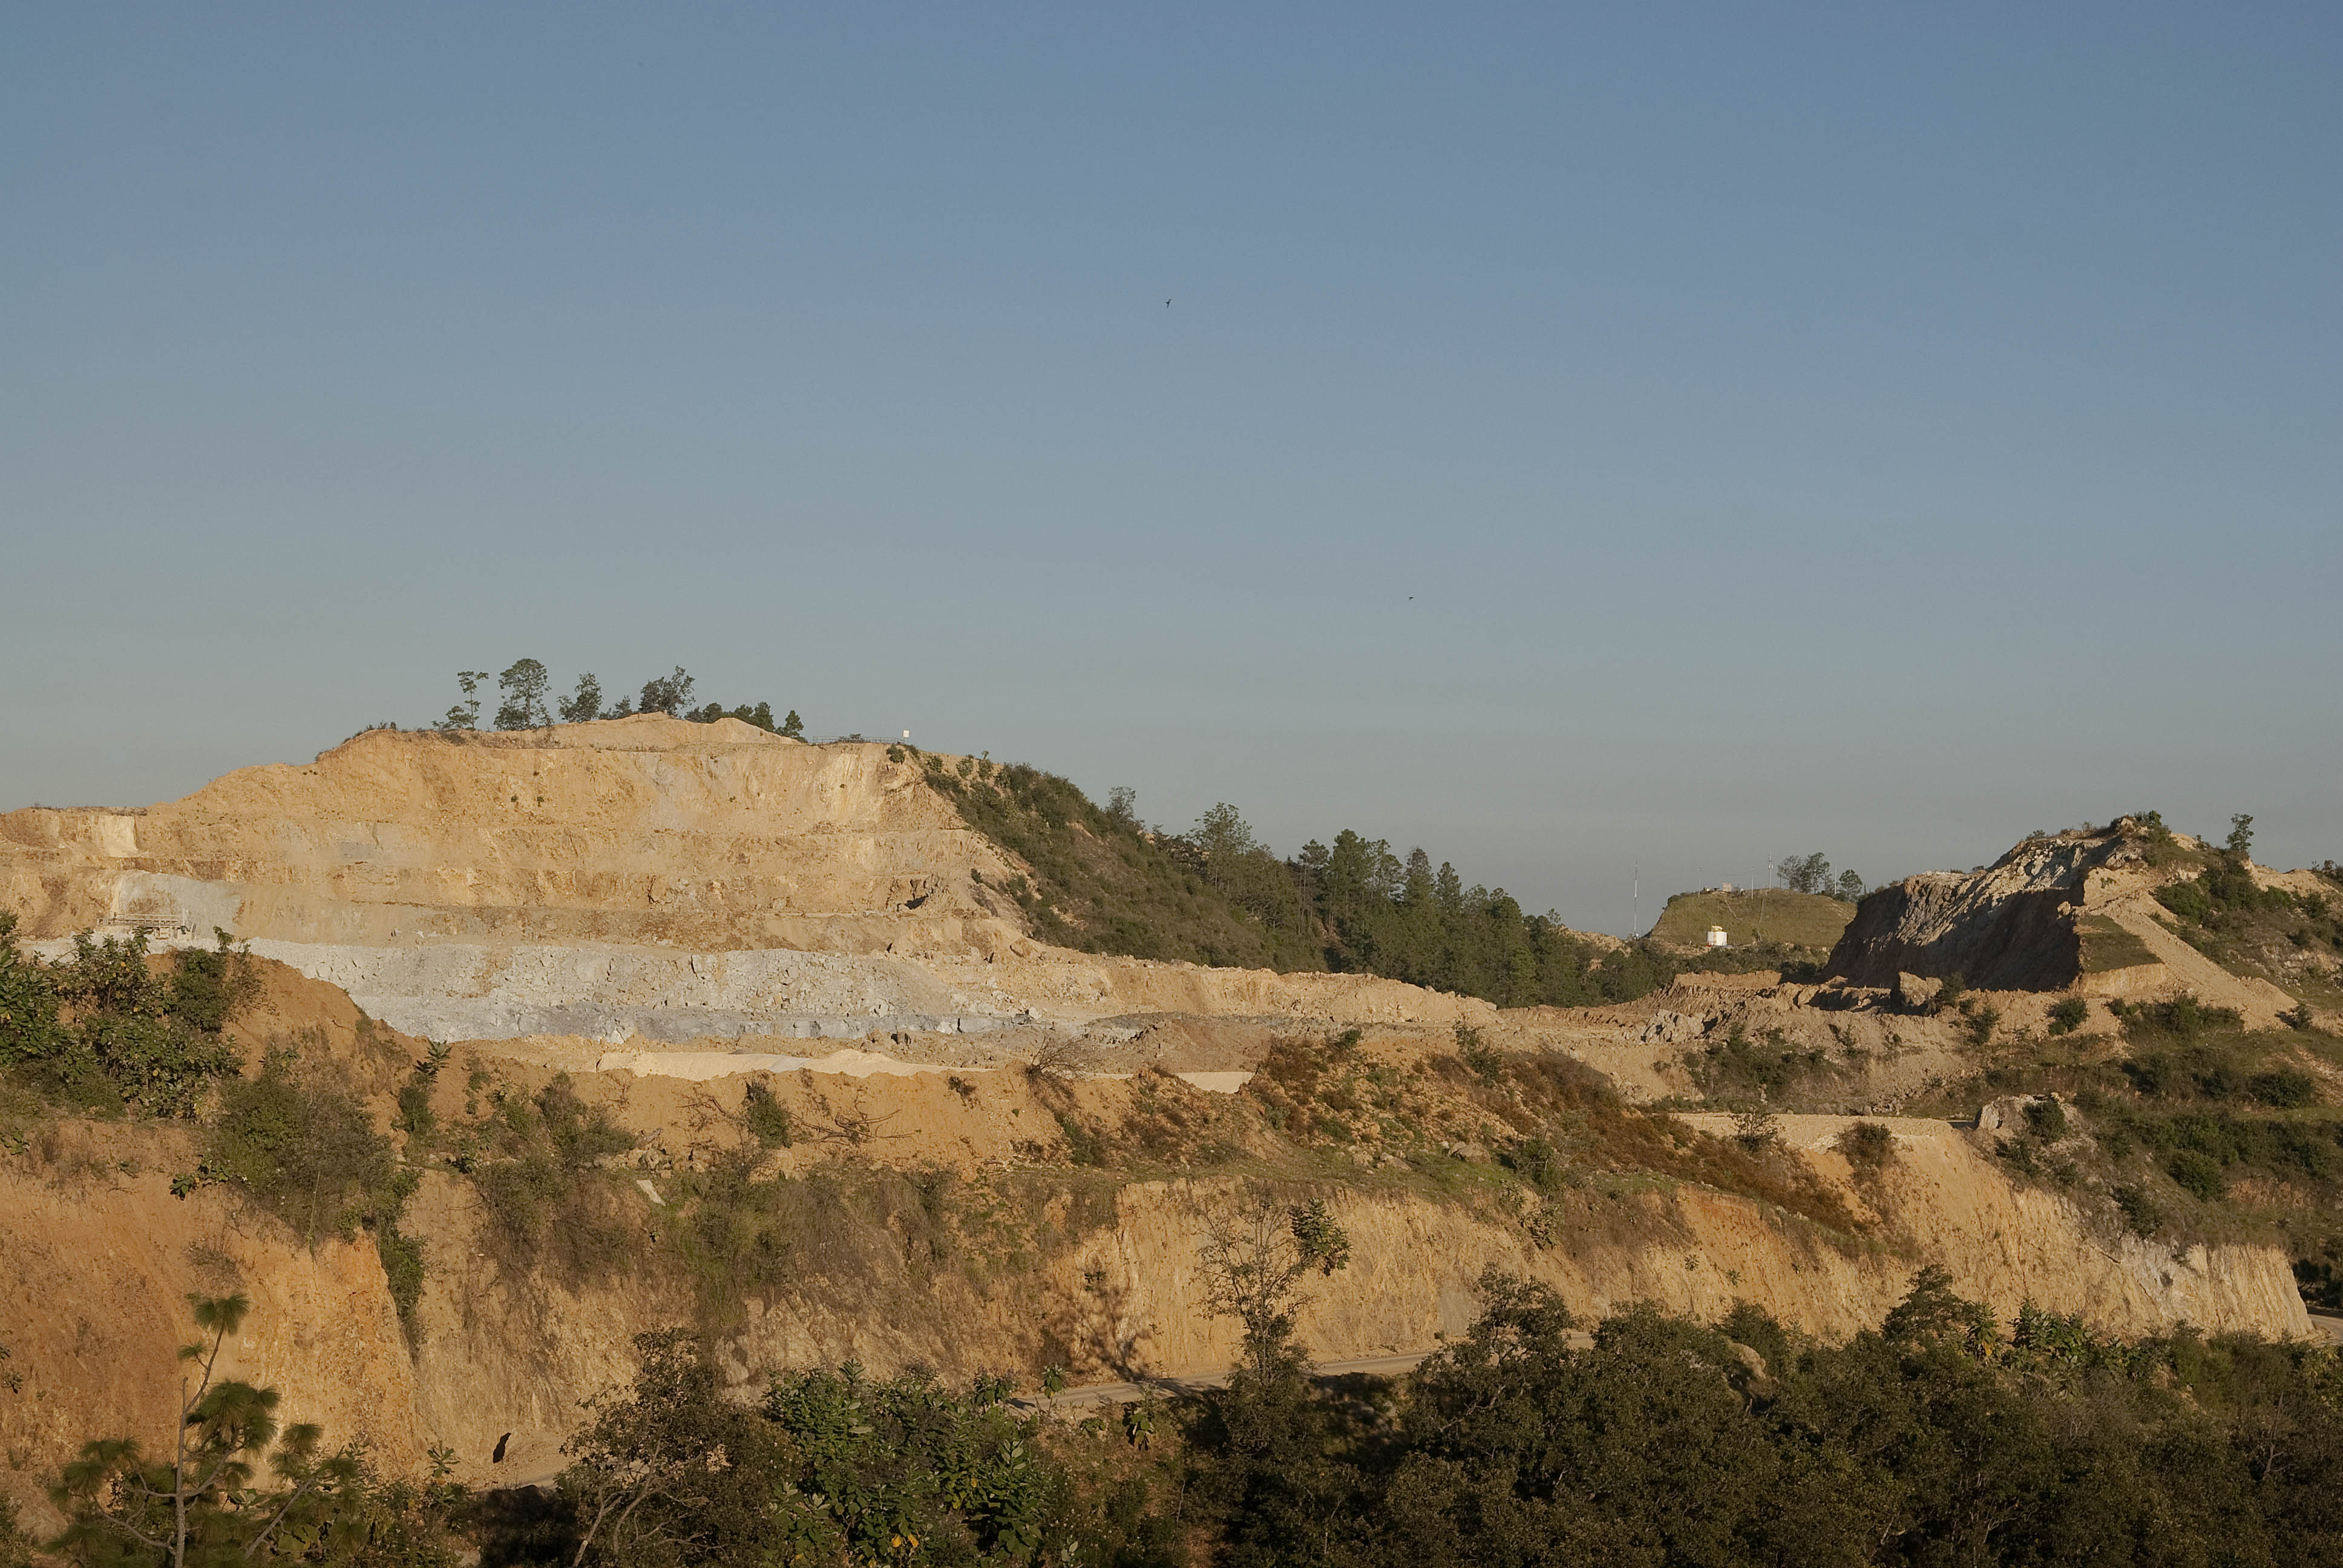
466,715
524,686
584,705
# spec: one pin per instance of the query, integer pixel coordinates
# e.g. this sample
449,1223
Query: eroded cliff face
642,877
101,1263
2010,926
642,830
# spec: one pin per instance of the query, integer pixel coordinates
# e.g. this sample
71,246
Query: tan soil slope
643,830
101,1254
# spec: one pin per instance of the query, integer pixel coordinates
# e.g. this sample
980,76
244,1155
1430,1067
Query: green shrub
1322,1244
2139,1210
1477,1054
2224,891
2199,1174
1538,1162
415,1115
2068,1014
2046,1118
2283,1089
104,1031
1745,1068
1950,994
2184,1018
207,988
546,1198
303,1146
766,1118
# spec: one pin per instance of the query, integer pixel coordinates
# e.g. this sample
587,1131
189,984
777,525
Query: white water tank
1717,936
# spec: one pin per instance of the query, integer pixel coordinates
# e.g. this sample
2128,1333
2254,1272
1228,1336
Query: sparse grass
734,1235
2108,946
1548,1122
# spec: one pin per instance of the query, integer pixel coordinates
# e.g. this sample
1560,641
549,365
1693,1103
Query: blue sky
1655,437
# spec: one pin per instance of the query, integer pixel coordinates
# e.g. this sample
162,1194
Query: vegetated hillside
2130,909
484,1232
2171,1113
1104,882
1801,925
2291,936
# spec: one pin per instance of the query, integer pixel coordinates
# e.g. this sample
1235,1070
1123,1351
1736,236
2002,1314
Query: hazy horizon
1589,447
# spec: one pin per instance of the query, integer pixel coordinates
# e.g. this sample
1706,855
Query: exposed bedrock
2010,926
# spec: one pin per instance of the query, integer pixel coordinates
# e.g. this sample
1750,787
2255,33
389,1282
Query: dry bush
1869,1147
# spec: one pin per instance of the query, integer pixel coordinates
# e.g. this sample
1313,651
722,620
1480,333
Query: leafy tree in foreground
673,1472
1281,1491
206,1504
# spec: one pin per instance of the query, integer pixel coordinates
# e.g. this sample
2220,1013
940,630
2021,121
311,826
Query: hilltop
2128,909
1754,917
648,875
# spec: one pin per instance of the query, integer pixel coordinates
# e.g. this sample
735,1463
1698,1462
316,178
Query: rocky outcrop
2010,926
